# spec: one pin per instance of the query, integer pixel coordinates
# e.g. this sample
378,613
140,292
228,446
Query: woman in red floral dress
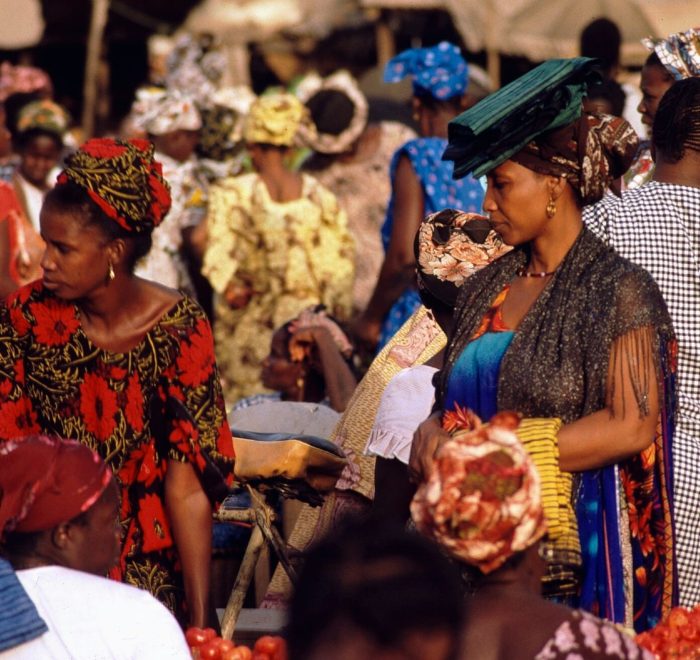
124,365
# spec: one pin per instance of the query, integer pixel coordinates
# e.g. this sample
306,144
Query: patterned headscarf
158,111
123,179
23,80
440,71
590,153
196,68
280,119
679,53
45,115
343,82
450,246
46,481
482,500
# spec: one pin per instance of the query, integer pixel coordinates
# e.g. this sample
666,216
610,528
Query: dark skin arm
327,359
398,269
190,516
601,438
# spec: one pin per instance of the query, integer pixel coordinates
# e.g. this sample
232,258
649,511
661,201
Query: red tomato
266,644
223,644
238,653
281,652
260,656
209,650
195,636
209,634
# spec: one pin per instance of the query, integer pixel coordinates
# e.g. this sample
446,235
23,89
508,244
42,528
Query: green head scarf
500,125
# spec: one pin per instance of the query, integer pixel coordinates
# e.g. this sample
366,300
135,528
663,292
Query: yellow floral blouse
291,254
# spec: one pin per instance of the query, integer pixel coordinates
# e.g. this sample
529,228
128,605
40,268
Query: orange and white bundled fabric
482,500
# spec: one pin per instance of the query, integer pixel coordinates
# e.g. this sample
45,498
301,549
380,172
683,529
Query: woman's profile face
516,202
655,83
75,260
97,541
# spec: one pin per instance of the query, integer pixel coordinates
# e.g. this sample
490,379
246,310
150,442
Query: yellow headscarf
279,119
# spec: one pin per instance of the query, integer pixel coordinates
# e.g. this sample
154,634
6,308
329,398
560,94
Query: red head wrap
46,481
123,179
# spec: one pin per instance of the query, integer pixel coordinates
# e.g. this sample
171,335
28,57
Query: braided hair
677,122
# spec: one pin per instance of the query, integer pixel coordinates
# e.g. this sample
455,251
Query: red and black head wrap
123,179
45,481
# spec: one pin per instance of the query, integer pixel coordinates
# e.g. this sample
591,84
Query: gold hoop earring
110,272
551,208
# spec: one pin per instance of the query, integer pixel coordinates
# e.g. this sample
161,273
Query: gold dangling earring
551,208
110,272
300,387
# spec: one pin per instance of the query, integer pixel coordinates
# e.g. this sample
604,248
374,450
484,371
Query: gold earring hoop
551,208
110,272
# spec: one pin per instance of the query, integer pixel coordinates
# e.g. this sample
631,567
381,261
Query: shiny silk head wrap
482,499
45,481
123,179
679,53
439,71
451,246
589,153
280,119
546,98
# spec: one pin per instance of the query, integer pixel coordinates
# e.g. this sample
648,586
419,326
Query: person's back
92,617
656,226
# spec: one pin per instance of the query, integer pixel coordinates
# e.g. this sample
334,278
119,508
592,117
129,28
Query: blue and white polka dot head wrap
439,71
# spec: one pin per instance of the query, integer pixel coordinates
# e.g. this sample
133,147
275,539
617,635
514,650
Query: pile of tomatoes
677,636
205,644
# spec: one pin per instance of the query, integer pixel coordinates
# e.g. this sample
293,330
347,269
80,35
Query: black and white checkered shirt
658,227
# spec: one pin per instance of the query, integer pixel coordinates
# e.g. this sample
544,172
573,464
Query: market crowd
499,302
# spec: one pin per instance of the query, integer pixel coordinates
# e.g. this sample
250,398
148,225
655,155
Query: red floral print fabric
161,400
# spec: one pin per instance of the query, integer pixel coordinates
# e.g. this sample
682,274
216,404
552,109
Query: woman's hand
427,440
303,345
238,295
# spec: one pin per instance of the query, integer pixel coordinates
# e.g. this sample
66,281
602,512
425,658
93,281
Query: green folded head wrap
546,98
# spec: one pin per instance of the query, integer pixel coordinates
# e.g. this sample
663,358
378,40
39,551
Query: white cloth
164,263
658,227
405,403
90,617
33,200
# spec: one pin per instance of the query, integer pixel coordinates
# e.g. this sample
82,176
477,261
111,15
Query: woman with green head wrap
571,336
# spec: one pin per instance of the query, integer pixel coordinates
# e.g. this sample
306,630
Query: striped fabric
19,620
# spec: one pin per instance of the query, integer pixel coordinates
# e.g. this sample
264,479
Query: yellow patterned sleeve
335,265
229,227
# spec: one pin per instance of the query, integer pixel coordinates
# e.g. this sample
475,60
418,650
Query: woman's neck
548,251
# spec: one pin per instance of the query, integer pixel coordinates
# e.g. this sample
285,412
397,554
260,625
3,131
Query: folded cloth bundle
561,548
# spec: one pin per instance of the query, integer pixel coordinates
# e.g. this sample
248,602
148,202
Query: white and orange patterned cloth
482,501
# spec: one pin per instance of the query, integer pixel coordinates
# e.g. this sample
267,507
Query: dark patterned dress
160,400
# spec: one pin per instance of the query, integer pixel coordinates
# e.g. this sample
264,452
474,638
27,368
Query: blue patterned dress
440,191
